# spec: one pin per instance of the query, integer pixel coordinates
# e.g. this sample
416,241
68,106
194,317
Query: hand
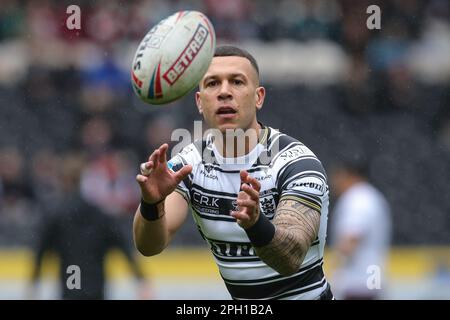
159,181
247,201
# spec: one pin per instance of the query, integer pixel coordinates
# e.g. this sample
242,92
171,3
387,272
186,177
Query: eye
238,82
211,83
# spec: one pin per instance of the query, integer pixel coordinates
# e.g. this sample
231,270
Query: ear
197,101
260,95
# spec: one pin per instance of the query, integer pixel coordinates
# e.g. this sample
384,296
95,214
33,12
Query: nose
225,92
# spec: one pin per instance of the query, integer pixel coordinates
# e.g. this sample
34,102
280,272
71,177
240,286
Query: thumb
181,174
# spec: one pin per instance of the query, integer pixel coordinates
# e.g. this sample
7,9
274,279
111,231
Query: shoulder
288,152
190,154
284,148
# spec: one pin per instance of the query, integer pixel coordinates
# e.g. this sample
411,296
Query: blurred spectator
361,231
108,182
359,92
96,136
18,216
82,235
45,180
11,19
158,130
229,18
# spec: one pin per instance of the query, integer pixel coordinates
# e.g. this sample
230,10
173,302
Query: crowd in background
68,91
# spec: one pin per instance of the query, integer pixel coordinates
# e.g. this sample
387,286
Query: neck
238,142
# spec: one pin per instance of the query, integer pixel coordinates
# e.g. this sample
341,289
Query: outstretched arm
164,209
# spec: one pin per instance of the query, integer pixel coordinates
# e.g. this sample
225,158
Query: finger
162,152
252,193
243,175
181,174
155,159
254,183
248,203
239,215
141,179
152,156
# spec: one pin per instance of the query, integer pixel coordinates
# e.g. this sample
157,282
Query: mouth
226,111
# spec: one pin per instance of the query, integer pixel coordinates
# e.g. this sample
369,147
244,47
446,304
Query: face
230,95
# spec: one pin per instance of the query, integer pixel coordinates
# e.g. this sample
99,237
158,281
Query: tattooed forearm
296,227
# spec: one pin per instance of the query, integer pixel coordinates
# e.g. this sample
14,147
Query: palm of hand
160,183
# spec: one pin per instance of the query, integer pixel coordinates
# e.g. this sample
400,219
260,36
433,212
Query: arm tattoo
296,227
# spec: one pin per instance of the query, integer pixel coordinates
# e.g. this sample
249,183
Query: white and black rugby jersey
286,169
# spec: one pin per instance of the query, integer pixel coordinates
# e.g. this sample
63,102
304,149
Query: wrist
152,211
262,232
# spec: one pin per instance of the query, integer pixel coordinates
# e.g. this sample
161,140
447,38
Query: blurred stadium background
332,83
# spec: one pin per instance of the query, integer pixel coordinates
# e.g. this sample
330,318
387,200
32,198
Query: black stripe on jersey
209,202
213,192
227,194
272,135
285,140
301,194
279,287
236,259
217,217
213,217
217,167
303,175
314,264
300,291
307,202
307,163
303,198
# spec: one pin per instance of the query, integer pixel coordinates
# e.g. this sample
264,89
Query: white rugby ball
173,57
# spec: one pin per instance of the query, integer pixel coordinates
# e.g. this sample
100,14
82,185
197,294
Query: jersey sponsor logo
209,175
231,249
207,172
311,185
263,177
204,200
234,205
294,152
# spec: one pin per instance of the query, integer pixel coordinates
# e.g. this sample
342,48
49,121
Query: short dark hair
232,51
355,162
